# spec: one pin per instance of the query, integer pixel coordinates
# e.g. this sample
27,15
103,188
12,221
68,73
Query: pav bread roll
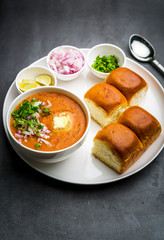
129,83
142,123
105,103
117,146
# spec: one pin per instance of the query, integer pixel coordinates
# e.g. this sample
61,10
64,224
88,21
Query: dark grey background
33,206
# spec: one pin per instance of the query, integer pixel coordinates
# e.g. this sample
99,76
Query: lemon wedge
38,84
27,80
26,86
43,80
29,86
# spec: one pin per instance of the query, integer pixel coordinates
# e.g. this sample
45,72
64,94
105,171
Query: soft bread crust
117,146
129,83
105,103
142,123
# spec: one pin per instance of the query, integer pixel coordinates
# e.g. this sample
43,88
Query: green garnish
23,124
25,109
34,100
37,145
26,118
105,64
46,111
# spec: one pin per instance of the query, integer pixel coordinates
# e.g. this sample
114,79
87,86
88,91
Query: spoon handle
158,66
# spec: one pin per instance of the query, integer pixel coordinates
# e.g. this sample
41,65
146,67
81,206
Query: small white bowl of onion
67,62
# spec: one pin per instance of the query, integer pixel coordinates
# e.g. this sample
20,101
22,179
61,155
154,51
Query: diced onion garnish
40,140
66,61
26,120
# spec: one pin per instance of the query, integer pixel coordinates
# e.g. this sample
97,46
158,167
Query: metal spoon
142,50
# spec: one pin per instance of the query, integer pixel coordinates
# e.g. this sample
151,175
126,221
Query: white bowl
104,49
33,72
48,156
66,77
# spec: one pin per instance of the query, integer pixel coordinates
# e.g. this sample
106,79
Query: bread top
121,140
142,123
106,96
127,81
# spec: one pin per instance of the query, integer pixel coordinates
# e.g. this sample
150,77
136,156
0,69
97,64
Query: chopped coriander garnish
37,145
34,100
26,118
105,64
25,109
46,111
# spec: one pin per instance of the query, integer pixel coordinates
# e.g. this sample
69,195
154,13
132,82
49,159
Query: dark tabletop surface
33,206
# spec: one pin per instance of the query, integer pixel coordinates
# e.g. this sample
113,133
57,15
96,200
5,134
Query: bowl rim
101,45
66,46
30,92
32,67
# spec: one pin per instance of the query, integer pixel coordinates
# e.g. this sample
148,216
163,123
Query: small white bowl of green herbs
102,59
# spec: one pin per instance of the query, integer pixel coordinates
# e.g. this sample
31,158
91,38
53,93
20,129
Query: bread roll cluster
128,130
122,88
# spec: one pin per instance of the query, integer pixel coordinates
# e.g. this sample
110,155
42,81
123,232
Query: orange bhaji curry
48,121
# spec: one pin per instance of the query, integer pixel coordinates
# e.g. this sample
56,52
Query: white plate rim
82,182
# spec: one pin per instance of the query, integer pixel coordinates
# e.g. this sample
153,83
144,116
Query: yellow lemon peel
44,80
26,86
25,80
41,80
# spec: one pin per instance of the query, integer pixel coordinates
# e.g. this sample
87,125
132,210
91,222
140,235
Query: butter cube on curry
62,122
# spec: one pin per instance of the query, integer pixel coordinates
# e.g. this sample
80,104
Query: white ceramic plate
82,167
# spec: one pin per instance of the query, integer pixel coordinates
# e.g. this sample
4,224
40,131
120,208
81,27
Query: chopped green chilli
105,64
37,145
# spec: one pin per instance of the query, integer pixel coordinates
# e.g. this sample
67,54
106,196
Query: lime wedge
44,80
29,86
38,84
27,80
26,86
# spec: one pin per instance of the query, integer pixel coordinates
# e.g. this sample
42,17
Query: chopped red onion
36,104
18,135
49,104
66,61
43,140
